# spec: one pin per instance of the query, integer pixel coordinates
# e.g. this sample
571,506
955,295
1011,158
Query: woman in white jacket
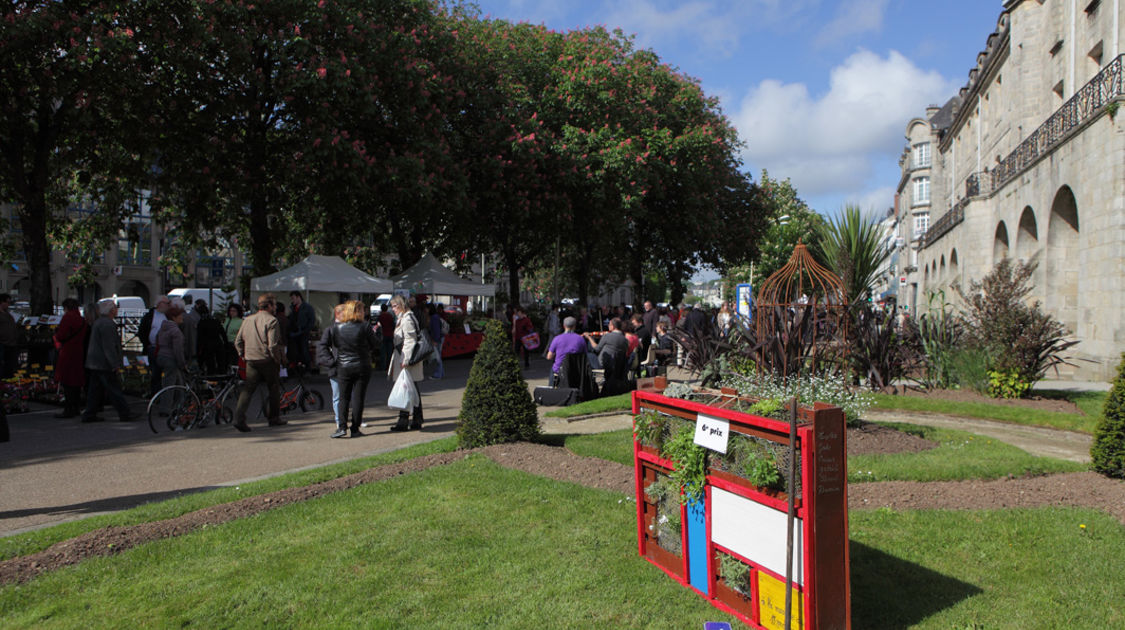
407,331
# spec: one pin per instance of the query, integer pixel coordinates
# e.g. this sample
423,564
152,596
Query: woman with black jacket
326,358
355,345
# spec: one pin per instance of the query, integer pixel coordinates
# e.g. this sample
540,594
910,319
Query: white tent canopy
322,279
321,273
430,277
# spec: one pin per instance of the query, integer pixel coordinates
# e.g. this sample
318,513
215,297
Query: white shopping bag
404,395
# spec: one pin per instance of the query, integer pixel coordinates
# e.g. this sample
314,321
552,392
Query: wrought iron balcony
942,226
1087,103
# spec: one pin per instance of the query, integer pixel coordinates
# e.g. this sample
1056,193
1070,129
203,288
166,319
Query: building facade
131,267
1028,161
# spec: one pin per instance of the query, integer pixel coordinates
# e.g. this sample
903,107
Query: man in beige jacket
259,344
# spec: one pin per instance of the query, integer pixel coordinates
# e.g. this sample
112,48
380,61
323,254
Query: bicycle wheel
175,407
311,400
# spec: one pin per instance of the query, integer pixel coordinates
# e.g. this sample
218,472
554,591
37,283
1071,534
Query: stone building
1028,161
129,268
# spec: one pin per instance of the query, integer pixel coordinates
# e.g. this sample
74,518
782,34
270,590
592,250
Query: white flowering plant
828,387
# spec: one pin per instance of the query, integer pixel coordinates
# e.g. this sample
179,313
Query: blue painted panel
696,523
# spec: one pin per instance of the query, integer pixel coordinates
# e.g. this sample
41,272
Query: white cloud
715,30
875,201
854,17
828,144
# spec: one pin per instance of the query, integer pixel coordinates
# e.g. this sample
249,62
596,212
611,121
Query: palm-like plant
853,247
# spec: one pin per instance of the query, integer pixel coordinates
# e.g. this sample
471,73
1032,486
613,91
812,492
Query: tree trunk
676,278
261,237
513,276
33,221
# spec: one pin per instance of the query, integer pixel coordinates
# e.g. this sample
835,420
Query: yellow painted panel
771,604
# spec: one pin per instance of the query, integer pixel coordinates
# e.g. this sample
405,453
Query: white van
218,297
130,305
377,305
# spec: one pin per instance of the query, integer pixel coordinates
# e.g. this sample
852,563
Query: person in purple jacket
568,342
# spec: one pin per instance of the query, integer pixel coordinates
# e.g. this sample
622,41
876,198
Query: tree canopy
369,128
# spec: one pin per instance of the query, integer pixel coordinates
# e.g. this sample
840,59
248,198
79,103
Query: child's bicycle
298,396
180,407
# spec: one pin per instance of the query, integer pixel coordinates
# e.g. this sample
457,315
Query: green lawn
621,402
468,545
1090,403
472,544
1041,568
960,456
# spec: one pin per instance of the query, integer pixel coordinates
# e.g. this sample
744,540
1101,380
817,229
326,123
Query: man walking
146,331
302,319
103,360
259,344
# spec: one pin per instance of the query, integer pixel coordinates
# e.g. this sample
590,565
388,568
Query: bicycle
180,408
298,396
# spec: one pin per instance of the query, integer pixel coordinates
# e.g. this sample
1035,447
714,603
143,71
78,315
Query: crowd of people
179,336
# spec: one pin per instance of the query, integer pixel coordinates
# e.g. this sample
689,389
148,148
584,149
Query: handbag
423,347
403,396
530,341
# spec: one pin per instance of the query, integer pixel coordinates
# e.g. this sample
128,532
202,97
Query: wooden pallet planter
749,523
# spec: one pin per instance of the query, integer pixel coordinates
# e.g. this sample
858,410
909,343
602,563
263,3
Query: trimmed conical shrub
1108,450
496,407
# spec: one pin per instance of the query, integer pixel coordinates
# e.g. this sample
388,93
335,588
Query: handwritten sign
771,604
712,433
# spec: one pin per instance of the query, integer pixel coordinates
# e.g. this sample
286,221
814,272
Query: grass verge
960,455
1087,401
38,540
468,545
621,402
1026,568
472,544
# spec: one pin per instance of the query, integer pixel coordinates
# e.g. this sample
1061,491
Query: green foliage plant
649,428
1019,336
852,246
766,407
762,471
689,460
940,332
735,573
1108,450
497,406
970,368
1007,384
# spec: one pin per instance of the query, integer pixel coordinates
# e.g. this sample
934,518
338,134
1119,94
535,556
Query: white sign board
756,532
712,433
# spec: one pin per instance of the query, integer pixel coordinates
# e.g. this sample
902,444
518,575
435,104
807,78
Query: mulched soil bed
1078,489
968,395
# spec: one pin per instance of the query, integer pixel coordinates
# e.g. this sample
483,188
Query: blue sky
820,90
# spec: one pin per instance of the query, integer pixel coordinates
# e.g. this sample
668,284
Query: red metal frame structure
823,590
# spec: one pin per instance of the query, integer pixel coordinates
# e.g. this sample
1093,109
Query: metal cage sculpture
801,317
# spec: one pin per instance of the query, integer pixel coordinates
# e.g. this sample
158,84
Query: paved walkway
1069,445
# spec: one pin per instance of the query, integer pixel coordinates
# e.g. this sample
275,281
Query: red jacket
521,328
70,341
